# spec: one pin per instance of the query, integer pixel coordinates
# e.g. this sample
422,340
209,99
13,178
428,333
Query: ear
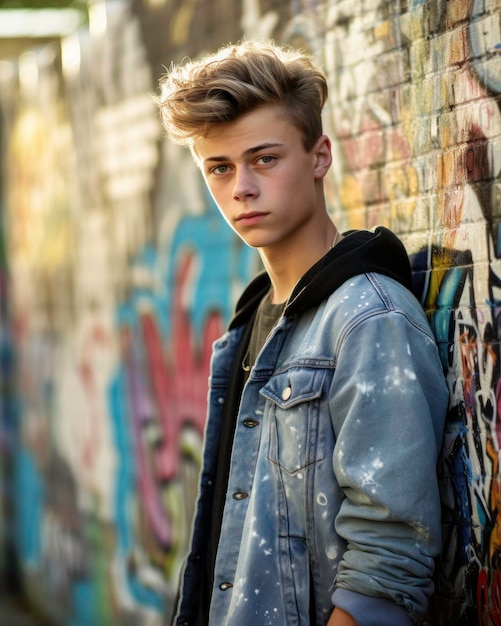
323,156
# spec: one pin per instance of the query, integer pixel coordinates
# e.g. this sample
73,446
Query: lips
251,218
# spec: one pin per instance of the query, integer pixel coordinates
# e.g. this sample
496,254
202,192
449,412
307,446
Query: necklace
335,240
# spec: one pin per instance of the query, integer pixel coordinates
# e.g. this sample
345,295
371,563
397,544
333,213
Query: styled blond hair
234,81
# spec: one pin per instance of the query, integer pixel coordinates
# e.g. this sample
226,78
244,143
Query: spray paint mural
123,274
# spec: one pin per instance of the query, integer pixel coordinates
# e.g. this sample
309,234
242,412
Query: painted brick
456,12
420,59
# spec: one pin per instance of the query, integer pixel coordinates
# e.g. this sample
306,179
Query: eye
219,170
266,159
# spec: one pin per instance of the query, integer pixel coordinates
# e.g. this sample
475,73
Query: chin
250,241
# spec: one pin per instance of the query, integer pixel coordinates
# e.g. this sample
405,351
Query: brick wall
122,273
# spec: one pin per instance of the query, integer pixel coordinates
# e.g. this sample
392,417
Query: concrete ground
14,613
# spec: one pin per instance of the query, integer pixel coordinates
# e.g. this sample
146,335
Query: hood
360,251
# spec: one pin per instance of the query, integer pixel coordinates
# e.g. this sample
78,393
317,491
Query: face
266,185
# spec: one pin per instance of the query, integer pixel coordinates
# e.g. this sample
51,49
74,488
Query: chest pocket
294,404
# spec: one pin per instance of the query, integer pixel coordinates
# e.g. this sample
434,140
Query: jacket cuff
371,611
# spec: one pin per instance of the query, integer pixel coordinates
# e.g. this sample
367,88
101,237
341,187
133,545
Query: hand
341,618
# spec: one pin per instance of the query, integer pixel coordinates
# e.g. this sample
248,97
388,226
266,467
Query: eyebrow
246,153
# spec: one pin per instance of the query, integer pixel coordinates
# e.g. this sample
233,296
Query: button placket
250,423
240,495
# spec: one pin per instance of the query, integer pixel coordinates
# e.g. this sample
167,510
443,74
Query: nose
245,186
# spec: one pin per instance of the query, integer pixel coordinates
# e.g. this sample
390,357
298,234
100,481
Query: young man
318,497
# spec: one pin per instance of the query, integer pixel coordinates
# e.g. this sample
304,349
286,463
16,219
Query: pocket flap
293,386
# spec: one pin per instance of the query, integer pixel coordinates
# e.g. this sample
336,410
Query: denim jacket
332,495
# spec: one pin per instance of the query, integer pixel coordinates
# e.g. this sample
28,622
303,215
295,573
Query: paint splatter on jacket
332,495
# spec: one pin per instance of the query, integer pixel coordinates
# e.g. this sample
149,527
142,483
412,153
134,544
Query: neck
286,265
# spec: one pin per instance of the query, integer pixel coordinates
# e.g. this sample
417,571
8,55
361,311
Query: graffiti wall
122,273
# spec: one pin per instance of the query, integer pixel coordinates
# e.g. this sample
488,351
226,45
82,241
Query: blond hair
234,81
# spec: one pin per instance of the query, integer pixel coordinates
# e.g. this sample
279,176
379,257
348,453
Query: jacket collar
360,251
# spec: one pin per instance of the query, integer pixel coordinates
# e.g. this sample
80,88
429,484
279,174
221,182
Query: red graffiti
489,608
180,388
167,383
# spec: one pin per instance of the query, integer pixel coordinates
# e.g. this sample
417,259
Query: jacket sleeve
388,401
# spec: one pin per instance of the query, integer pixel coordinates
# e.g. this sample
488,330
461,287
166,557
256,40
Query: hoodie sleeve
388,401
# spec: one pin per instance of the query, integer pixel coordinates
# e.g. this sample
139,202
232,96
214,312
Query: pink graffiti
168,392
91,438
365,149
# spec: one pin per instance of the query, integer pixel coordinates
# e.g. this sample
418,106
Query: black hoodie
359,252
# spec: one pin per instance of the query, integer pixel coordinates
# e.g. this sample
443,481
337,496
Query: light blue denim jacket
334,495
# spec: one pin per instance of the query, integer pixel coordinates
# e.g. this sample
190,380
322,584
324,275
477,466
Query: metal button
225,586
286,393
240,495
250,423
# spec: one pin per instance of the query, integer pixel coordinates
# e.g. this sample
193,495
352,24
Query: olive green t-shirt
267,316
